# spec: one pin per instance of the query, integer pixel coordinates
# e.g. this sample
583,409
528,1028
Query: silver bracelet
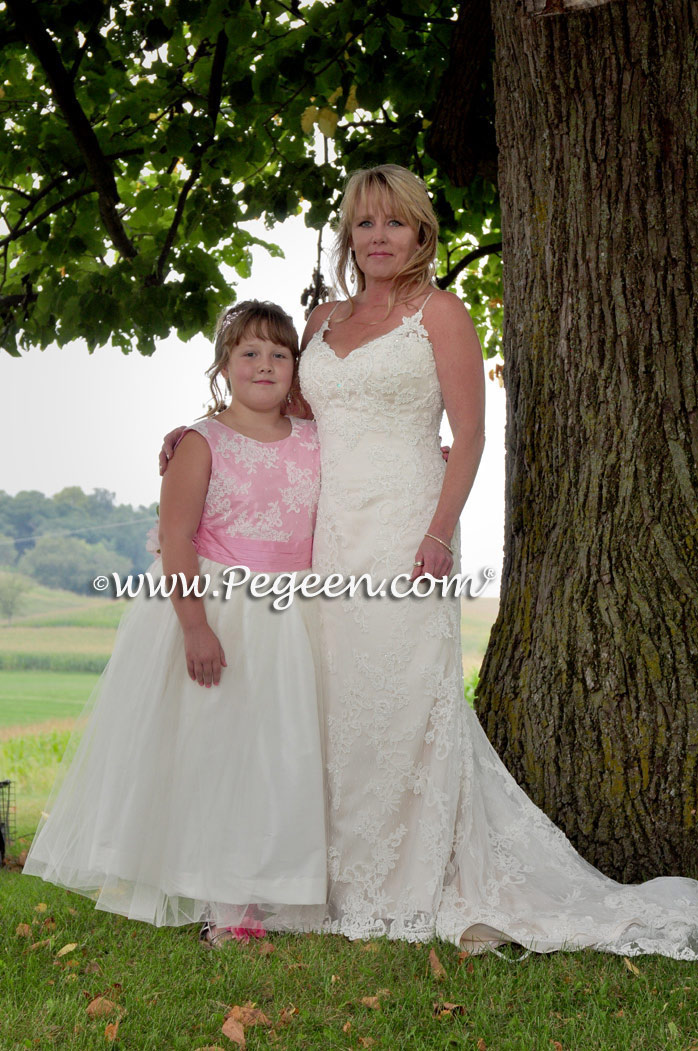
439,541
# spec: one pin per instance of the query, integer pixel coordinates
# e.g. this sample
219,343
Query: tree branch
216,82
26,17
459,138
477,253
16,233
159,275
89,37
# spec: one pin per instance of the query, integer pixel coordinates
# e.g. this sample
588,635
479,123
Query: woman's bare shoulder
317,318
442,303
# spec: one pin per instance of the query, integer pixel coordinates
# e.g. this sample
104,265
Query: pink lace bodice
262,498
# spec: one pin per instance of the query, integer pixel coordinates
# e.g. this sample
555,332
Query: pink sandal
217,936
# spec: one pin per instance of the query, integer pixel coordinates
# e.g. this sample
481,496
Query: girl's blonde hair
262,319
403,195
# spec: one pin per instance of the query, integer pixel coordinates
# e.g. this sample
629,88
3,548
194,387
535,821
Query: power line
85,529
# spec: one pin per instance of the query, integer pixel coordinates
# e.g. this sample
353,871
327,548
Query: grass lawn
168,992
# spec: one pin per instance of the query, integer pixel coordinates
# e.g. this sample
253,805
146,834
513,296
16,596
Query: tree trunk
589,689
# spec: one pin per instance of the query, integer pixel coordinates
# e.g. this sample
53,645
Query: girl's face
259,372
383,242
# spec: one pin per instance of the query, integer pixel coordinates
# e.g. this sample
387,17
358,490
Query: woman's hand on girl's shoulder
168,447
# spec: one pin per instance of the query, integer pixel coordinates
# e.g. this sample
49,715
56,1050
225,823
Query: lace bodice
379,406
262,497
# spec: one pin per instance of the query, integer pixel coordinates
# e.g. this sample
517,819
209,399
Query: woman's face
383,242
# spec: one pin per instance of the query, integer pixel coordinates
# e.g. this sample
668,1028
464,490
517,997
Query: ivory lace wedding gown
429,834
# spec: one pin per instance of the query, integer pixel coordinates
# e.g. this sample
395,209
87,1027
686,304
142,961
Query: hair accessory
439,541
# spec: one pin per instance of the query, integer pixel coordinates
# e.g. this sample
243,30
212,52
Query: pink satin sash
261,556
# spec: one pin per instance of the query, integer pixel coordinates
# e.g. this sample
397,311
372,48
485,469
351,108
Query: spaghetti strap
419,312
327,319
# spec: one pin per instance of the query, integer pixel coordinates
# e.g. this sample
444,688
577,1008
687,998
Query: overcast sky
97,421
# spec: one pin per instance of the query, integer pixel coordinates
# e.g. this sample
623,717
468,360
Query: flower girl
196,792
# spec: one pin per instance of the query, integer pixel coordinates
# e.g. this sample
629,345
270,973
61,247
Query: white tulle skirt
180,803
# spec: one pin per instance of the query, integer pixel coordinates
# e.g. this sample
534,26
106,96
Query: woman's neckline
322,331
277,441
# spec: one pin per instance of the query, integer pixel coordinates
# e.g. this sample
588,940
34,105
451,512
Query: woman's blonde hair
261,319
402,194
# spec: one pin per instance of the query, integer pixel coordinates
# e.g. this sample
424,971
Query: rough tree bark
589,689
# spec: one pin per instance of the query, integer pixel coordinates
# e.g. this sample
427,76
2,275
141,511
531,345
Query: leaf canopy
138,140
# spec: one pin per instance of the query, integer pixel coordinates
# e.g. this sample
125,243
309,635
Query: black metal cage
8,817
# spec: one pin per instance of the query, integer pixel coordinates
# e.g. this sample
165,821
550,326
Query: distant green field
30,697
100,613
477,617
41,600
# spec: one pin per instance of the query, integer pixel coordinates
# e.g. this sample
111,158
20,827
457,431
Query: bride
428,832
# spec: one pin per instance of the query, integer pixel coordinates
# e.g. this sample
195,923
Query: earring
352,269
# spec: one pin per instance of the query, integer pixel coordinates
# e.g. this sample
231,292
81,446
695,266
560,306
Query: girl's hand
437,562
168,446
205,656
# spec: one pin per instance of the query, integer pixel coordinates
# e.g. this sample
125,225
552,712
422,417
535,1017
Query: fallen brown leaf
447,1010
463,955
23,930
248,1014
371,1001
72,911
100,1007
265,948
49,924
481,1045
366,1041
66,949
437,968
38,945
92,967
111,1031
369,947
234,1031
557,1045
630,965
287,1014
346,1028
209,1047
41,907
